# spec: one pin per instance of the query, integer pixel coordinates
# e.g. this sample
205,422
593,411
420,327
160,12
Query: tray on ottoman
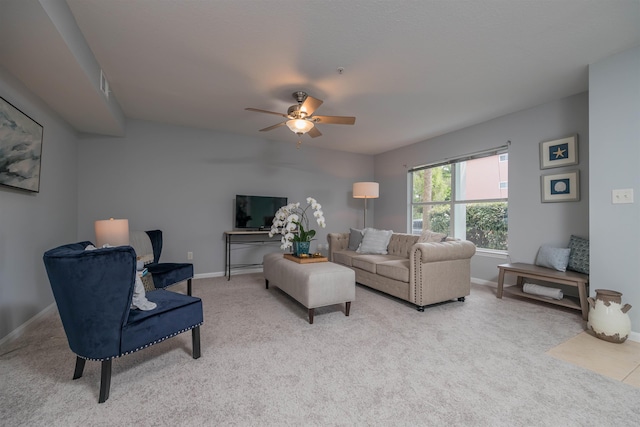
307,260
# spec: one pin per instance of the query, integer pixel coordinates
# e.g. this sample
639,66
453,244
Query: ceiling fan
300,118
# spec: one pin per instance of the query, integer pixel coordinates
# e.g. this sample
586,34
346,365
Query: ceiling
413,70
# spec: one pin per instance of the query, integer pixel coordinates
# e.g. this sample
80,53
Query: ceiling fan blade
310,105
335,120
272,127
314,132
257,110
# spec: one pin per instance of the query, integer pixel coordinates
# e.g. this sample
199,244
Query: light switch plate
623,195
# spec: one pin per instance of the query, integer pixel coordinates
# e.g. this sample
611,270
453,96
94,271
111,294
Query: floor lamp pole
364,222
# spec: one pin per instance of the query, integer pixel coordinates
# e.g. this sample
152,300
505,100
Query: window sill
490,253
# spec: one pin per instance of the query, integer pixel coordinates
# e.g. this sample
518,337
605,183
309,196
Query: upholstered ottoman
312,285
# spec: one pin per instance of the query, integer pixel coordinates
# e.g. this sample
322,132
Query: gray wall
531,223
614,108
31,223
184,181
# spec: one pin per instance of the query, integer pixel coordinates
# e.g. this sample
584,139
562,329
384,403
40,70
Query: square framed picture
20,149
559,152
560,187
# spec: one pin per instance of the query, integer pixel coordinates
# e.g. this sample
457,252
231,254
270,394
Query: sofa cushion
369,262
344,257
375,241
355,238
396,269
550,257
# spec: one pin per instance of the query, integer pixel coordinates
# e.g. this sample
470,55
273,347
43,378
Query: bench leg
266,284
311,311
347,308
500,283
584,306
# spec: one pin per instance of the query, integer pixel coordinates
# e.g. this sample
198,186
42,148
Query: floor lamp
366,190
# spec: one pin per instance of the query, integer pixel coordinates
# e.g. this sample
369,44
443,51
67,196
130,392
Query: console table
245,237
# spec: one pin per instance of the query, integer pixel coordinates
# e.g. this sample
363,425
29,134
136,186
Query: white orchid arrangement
293,223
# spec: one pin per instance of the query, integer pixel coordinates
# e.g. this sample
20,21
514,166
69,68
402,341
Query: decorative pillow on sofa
550,257
579,255
429,236
375,241
355,238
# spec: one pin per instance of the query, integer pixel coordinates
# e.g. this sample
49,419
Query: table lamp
113,232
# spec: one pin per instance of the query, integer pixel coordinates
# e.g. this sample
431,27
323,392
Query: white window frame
457,212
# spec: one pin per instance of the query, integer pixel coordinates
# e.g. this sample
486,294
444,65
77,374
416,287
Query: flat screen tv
256,212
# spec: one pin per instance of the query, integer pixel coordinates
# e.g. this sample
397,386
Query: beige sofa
420,273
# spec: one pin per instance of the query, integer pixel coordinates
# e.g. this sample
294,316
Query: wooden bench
570,278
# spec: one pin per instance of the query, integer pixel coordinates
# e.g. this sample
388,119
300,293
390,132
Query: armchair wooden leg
105,380
195,338
79,367
189,287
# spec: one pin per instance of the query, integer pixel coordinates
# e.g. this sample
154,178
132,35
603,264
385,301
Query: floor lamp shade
113,232
366,190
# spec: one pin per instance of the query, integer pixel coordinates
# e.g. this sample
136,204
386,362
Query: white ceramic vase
608,318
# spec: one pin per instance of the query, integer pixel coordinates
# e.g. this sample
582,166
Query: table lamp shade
366,190
114,232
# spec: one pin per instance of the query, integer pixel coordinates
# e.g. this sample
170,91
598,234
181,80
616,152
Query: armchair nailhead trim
145,346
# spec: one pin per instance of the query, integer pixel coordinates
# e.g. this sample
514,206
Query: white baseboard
477,281
17,332
221,274
633,336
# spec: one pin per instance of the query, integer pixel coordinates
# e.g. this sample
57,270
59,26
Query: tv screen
256,212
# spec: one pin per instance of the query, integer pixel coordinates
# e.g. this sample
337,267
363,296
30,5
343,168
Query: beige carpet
478,363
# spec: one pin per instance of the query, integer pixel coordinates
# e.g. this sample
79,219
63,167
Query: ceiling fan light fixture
300,126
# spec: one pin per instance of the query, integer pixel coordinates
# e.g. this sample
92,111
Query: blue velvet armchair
93,290
167,273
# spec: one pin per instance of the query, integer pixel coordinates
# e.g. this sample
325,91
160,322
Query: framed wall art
560,187
559,152
20,149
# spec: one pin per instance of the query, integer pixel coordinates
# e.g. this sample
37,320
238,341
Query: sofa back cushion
401,244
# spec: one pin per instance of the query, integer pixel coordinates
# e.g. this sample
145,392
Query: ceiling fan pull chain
298,144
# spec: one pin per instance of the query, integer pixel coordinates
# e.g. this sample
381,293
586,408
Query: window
466,198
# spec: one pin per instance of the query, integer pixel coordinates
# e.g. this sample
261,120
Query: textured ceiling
412,69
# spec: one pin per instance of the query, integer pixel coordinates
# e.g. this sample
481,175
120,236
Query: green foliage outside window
486,223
